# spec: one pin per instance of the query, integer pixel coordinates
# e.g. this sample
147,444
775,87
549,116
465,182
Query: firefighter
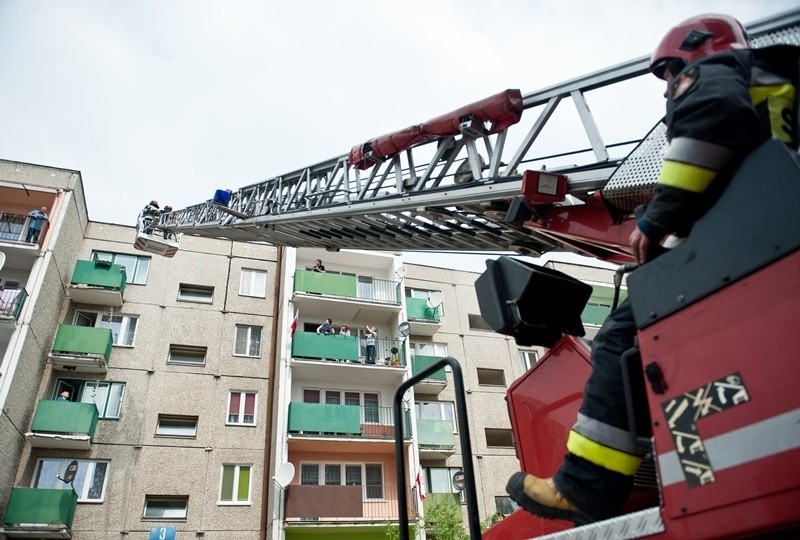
723,100
150,214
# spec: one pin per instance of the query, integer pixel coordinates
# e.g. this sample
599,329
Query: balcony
326,421
63,424
39,513
435,438
345,297
97,282
344,504
81,349
425,320
13,230
346,349
11,302
433,384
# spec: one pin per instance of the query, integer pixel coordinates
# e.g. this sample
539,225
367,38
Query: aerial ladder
714,364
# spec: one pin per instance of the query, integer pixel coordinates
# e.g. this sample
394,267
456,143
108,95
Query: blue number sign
162,533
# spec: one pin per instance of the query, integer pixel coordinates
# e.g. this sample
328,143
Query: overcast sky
174,99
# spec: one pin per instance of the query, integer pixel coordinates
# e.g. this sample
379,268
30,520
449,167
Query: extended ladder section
446,184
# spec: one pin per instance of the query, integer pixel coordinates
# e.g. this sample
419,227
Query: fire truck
712,385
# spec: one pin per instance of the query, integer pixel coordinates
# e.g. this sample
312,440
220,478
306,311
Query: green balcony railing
52,507
11,302
435,433
350,349
342,286
99,274
420,362
335,347
65,417
417,309
363,421
83,340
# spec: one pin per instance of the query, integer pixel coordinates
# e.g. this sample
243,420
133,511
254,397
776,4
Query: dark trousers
370,354
33,235
597,491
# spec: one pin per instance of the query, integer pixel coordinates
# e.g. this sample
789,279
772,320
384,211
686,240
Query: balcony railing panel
344,420
53,507
435,433
83,340
420,362
11,302
99,274
352,349
417,309
374,503
13,227
65,417
343,286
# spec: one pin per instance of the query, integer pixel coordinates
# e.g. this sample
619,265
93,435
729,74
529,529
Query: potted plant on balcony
395,361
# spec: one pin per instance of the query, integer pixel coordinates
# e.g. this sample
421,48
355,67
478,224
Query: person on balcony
63,396
38,217
318,266
371,336
344,330
326,328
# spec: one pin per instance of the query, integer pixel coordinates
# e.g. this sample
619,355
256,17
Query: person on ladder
149,216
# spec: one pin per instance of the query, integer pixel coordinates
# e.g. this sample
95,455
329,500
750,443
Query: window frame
253,283
508,431
188,350
136,279
115,399
84,468
419,403
242,408
148,499
176,419
249,339
493,370
427,482
127,325
415,292
525,358
322,468
237,469
198,297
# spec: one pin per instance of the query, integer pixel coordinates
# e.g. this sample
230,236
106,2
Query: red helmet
697,37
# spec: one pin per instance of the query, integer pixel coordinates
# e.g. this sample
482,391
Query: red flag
294,321
420,489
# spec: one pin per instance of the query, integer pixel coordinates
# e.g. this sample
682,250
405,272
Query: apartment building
334,423
200,399
163,362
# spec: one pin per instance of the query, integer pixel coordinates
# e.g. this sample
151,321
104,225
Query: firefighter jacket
151,212
718,110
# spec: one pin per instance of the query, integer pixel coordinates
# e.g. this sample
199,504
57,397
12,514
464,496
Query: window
253,283
136,268
89,483
123,327
427,348
436,410
187,354
491,377
235,485
499,437
477,322
248,341
371,409
242,408
374,475
106,395
176,426
309,474
352,473
440,480
505,505
195,293
165,508
528,359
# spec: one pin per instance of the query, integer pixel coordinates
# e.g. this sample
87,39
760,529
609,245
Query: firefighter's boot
541,497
